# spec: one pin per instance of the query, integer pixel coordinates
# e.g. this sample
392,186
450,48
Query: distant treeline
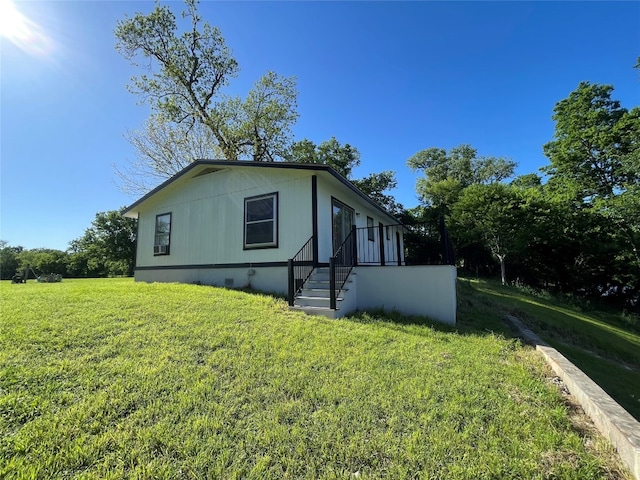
107,248
574,231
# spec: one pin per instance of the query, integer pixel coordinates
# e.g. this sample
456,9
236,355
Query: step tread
315,280
322,289
306,297
304,307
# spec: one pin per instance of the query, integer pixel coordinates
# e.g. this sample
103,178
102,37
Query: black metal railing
341,264
419,244
299,268
381,245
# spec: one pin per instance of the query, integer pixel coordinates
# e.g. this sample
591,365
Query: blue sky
390,78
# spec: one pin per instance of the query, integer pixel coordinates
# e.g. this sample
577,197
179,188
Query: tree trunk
503,269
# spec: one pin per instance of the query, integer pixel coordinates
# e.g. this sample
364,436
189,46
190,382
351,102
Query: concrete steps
314,298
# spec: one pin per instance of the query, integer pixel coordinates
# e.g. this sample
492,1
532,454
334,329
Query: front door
343,220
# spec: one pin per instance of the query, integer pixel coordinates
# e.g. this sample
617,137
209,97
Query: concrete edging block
613,421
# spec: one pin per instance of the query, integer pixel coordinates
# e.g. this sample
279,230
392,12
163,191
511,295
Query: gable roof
208,164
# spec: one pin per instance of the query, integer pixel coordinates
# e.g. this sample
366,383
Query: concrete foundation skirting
613,421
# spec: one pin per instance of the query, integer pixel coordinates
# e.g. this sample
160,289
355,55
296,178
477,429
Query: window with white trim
162,237
261,221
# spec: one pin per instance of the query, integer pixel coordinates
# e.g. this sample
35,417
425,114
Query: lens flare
21,31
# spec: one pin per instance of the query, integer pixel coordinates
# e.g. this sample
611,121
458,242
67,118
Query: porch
394,267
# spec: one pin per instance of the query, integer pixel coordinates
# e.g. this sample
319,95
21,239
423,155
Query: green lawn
114,379
603,344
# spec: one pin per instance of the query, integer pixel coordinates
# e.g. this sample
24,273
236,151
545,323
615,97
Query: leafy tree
558,255
494,213
8,260
595,142
375,185
447,174
529,180
595,162
44,261
343,159
108,247
188,74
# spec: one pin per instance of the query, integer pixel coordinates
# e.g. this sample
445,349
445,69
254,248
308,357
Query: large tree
343,159
108,246
497,215
44,261
163,148
595,143
375,185
446,177
447,174
184,87
9,259
595,156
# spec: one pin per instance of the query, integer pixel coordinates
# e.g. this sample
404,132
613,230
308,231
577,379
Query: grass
602,343
115,379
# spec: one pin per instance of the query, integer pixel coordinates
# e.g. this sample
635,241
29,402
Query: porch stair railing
299,268
341,264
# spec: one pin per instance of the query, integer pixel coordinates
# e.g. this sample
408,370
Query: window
261,221
370,230
162,239
342,222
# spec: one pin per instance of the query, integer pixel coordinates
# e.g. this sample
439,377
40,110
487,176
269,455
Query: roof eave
132,213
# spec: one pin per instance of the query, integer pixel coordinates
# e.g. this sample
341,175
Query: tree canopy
595,154
595,143
108,246
184,86
446,174
343,159
162,149
577,230
494,214
9,259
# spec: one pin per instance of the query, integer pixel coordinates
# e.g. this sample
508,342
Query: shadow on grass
397,318
599,342
247,289
600,332
594,341
491,323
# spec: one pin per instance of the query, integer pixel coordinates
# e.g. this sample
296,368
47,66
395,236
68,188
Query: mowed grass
604,344
116,379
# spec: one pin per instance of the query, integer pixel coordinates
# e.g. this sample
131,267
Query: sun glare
21,31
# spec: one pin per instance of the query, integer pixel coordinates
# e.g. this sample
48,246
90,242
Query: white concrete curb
613,421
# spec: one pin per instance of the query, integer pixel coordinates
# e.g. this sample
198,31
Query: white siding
266,279
332,188
207,217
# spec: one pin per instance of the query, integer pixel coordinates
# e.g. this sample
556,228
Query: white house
293,228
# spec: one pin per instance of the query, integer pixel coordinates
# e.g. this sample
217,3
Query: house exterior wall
207,218
207,238
411,290
328,190
265,279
